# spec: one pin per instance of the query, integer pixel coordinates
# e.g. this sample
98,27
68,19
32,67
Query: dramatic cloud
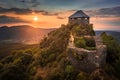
15,10
25,11
6,19
105,18
55,5
20,3
102,18
105,12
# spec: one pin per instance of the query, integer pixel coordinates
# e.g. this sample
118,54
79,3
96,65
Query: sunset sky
105,14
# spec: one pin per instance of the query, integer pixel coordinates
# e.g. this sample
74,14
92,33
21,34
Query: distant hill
29,34
115,34
22,34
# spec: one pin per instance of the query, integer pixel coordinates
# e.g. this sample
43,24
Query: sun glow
35,18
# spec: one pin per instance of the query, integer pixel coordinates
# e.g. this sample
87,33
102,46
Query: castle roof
79,13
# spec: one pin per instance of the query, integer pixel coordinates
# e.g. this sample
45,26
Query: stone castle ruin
81,58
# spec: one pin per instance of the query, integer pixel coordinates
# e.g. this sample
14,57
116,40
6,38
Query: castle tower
79,17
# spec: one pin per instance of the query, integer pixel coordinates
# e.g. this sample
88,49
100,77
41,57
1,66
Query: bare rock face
101,52
81,59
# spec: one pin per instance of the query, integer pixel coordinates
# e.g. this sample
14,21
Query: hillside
51,61
22,34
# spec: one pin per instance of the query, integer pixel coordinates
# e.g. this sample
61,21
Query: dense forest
49,61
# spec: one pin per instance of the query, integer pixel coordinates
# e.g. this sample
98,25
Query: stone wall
93,59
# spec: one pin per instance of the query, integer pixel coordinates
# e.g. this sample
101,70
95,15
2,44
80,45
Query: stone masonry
94,58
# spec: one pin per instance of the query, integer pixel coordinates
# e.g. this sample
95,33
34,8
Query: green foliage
69,69
16,66
80,42
56,39
46,56
12,72
90,42
113,47
87,43
70,72
92,32
54,44
32,68
81,76
55,76
113,55
7,59
38,77
1,67
83,29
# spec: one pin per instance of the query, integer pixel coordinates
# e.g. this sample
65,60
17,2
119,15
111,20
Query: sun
35,18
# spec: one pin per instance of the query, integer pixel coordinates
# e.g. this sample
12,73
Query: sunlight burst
35,18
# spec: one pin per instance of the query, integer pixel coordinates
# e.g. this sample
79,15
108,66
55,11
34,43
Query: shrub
38,77
70,72
113,55
80,42
90,42
13,72
55,76
1,67
81,76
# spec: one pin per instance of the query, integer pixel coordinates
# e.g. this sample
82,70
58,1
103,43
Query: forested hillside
49,61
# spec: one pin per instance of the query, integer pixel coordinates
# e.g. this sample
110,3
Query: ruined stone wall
84,64
101,52
93,59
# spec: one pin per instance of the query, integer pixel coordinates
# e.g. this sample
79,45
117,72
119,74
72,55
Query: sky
104,14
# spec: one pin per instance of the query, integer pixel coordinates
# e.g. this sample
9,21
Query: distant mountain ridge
29,34
22,34
115,34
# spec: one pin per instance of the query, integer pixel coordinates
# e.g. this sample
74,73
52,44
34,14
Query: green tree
81,76
113,55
